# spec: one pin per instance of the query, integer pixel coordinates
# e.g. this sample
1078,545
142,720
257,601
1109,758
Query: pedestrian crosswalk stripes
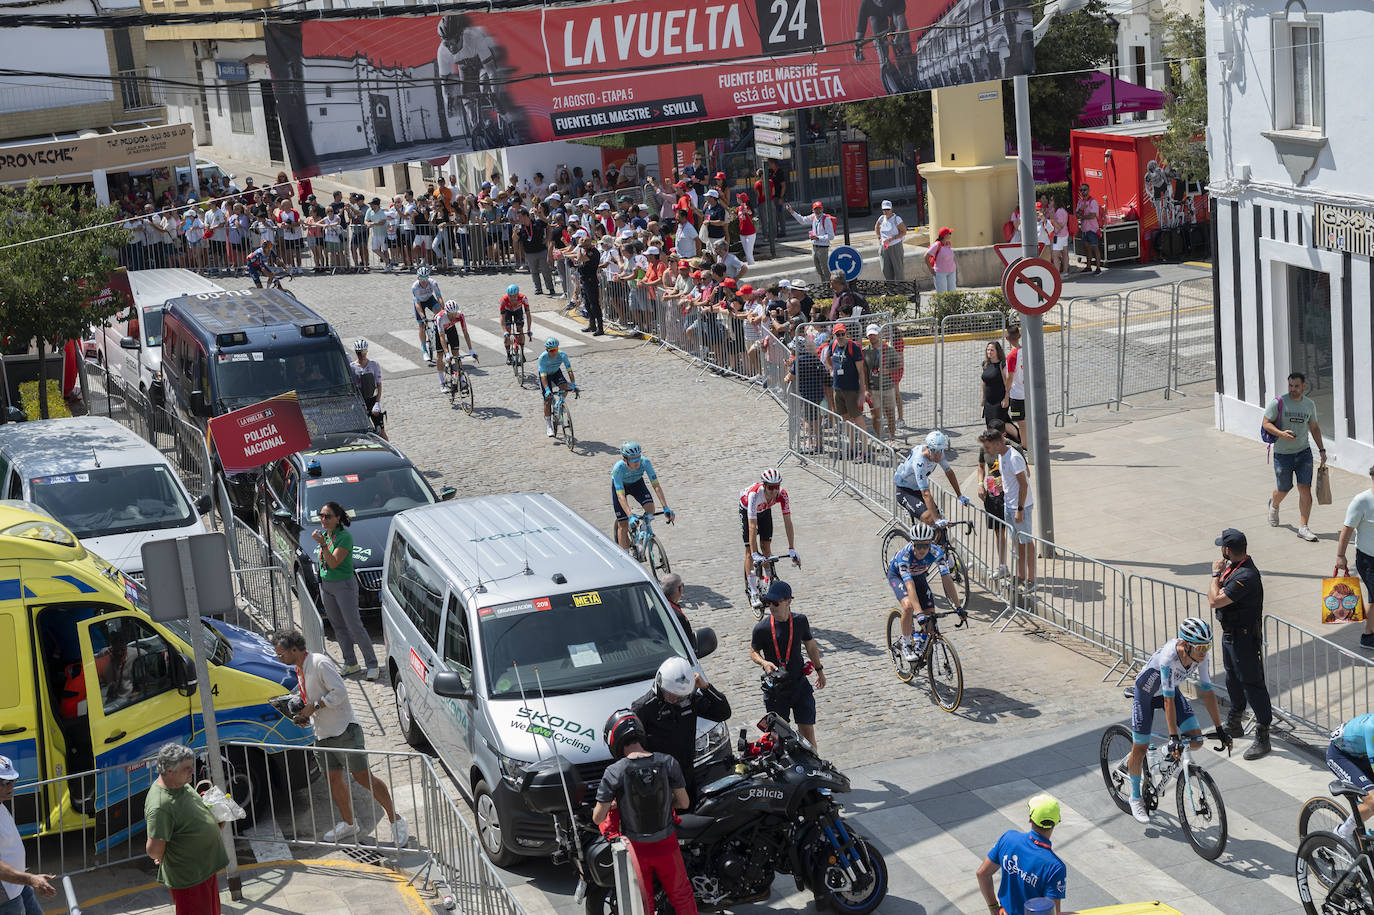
562,321
391,361
489,340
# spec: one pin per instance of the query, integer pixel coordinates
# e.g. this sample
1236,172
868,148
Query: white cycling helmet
452,307
1195,631
771,477
676,677
360,345
423,273
922,532
937,441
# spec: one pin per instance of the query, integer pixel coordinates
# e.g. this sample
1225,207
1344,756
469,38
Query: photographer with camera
670,710
777,646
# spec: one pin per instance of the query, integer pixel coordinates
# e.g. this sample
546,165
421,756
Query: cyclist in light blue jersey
628,480
425,292
1350,757
906,575
551,366
913,479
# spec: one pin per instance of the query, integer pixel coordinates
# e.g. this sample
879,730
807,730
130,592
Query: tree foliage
57,247
1074,45
1183,144
896,125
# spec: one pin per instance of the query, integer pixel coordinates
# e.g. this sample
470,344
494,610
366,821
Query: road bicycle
765,570
560,414
646,547
1335,877
458,381
1201,810
895,64
937,656
515,353
895,539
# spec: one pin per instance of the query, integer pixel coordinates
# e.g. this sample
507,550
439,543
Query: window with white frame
1299,74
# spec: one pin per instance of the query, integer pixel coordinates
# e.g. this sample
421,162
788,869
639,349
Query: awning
1128,96
70,161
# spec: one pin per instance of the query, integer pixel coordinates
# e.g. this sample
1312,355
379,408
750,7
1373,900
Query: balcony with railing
140,89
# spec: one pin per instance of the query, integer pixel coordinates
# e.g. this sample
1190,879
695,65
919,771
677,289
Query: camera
288,705
780,679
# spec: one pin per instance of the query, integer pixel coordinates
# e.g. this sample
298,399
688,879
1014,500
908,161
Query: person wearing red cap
940,259
845,360
821,230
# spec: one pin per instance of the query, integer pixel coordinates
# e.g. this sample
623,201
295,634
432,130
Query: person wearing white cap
891,232
18,889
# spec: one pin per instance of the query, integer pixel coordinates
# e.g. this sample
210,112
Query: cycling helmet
937,441
451,27
512,289
621,728
422,273
452,307
1195,631
360,345
675,678
771,477
551,343
630,451
922,532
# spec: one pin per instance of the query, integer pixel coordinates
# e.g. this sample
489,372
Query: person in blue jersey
552,362
912,479
631,477
906,575
1028,864
1349,757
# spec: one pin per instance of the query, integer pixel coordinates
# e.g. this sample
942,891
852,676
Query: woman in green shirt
184,840
339,589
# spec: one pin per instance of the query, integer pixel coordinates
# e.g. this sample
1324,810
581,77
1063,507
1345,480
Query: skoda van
514,628
89,681
131,345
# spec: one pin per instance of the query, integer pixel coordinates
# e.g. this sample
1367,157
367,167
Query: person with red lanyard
1027,863
643,789
748,232
820,227
756,522
776,646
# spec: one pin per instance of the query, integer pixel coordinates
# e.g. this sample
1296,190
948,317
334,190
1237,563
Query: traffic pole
1033,326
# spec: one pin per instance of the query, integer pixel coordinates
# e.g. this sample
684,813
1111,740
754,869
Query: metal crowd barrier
962,348
1155,608
989,548
860,463
1146,341
1311,680
112,833
1092,346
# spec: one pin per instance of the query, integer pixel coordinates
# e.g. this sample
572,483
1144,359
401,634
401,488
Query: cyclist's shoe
443,385
911,650
1347,831
1138,810
548,428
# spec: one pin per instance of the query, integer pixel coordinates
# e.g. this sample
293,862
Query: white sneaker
1138,810
1273,515
443,385
548,430
373,672
340,832
400,831
1347,830
1305,533
910,652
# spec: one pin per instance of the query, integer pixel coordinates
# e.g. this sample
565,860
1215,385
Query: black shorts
638,491
911,500
555,381
1017,408
763,520
451,336
408,238
511,319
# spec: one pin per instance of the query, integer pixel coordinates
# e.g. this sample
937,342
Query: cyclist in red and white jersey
515,316
756,521
448,322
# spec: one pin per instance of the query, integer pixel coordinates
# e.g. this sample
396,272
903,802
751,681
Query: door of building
269,113
1309,339
381,121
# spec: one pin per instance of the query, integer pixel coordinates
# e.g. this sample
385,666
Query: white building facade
1293,212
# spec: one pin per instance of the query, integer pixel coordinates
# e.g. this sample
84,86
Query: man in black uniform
645,787
1236,594
589,270
670,710
777,645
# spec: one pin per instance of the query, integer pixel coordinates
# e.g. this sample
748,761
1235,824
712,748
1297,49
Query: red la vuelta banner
260,434
362,92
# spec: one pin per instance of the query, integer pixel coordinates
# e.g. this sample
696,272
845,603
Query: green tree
1183,143
57,249
1074,44
896,125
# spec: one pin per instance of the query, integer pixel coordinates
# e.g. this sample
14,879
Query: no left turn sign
1032,285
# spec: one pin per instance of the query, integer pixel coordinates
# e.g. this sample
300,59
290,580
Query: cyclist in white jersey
756,521
448,323
467,56
426,294
913,479
1156,687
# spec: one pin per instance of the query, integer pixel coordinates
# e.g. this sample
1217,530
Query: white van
131,344
111,488
514,628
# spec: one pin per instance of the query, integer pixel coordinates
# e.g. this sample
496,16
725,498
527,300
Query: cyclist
515,312
447,322
1178,660
466,61
426,294
368,376
627,479
1348,757
913,479
551,366
906,575
261,261
885,15
756,522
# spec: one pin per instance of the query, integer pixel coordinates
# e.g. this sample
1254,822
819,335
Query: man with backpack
1287,425
644,788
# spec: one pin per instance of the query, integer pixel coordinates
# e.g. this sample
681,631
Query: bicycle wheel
452,387
568,438
658,559
1323,859
958,570
1202,813
1319,814
946,674
1112,754
893,541
517,365
464,385
905,671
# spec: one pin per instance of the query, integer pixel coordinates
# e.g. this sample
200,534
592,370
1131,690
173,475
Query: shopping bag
224,808
1323,486
1342,601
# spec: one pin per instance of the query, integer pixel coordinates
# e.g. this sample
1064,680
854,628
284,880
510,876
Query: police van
231,349
513,629
92,682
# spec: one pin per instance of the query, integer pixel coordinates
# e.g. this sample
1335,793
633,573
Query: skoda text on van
226,350
131,344
513,629
96,683
103,482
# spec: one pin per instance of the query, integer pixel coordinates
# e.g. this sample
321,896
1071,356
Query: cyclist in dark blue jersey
906,575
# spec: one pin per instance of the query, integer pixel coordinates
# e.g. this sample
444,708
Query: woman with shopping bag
184,838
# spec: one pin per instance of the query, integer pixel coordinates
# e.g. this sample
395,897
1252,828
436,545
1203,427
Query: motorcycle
775,814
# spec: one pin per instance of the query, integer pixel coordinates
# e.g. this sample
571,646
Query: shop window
240,108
